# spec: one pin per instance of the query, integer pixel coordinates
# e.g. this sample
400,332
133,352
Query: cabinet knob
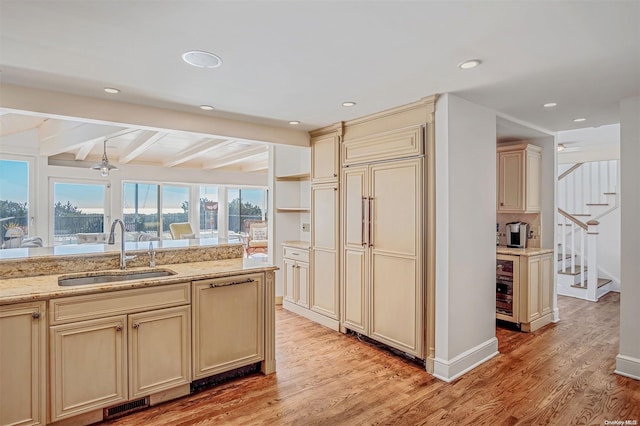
118,328
136,325
335,175
502,204
36,315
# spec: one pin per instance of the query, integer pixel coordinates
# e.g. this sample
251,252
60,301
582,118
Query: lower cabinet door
88,366
302,277
159,350
228,323
22,364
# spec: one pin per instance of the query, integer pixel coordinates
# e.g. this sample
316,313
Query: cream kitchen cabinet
518,175
113,347
296,275
23,331
325,283
325,154
524,288
382,266
228,323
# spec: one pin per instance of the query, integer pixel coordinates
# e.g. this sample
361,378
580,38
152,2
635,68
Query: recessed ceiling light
578,120
201,59
348,104
112,90
471,63
206,107
550,105
294,122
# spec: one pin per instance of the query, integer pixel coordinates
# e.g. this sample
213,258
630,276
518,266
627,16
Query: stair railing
580,186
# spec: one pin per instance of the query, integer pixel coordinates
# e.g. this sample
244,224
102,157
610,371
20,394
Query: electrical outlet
306,227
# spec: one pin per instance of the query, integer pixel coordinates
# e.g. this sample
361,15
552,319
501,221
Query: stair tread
610,193
567,256
601,283
597,204
579,214
567,270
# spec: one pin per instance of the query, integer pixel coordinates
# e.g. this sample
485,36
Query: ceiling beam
140,144
196,151
235,157
56,137
256,166
84,150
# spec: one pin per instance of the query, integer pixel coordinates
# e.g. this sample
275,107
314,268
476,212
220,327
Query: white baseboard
628,366
312,315
449,370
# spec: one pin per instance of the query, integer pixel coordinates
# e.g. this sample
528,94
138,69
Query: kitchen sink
110,277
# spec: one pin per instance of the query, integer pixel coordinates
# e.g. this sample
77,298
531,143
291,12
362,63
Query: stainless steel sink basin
109,277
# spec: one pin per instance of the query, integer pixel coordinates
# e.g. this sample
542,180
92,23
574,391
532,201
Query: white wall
465,236
628,361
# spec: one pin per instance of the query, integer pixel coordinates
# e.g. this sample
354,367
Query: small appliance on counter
517,233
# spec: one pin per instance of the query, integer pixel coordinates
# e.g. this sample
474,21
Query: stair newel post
592,271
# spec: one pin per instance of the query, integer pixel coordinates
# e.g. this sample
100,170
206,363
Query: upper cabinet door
324,159
511,181
519,171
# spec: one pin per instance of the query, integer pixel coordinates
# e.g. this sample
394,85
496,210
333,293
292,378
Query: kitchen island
80,354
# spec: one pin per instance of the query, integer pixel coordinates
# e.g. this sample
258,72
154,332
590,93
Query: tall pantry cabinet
325,222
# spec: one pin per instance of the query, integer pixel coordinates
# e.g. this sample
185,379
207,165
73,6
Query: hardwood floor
561,374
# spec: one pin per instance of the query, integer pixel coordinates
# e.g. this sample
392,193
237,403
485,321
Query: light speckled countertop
44,287
522,251
298,244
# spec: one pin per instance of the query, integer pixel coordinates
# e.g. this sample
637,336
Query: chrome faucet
152,256
112,240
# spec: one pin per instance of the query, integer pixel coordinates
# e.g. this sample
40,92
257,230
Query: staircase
586,193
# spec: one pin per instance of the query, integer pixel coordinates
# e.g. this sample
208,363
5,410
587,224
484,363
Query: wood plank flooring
561,374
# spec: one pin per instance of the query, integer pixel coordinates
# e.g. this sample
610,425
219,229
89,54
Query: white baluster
573,247
583,258
592,279
564,243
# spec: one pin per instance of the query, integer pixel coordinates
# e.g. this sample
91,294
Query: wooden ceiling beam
196,151
57,137
235,157
139,145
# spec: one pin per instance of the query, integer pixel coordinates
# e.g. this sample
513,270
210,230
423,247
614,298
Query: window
245,205
14,201
209,210
141,209
77,208
175,207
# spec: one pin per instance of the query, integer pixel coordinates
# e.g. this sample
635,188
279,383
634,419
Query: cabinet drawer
78,308
300,255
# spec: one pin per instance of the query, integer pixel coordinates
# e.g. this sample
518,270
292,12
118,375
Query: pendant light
104,165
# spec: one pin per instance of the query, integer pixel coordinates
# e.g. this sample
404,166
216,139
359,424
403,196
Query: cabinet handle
370,221
295,254
214,285
362,242
335,175
502,204
118,328
136,325
36,315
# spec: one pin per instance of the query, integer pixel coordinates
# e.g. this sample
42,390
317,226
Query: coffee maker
517,233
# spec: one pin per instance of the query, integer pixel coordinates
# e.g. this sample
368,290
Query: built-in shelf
298,177
293,209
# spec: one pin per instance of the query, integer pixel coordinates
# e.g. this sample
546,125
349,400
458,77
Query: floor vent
126,408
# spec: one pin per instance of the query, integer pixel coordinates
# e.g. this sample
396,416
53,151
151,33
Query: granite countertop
529,251
44,287
305,245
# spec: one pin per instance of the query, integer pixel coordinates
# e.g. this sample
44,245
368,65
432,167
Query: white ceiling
299,60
